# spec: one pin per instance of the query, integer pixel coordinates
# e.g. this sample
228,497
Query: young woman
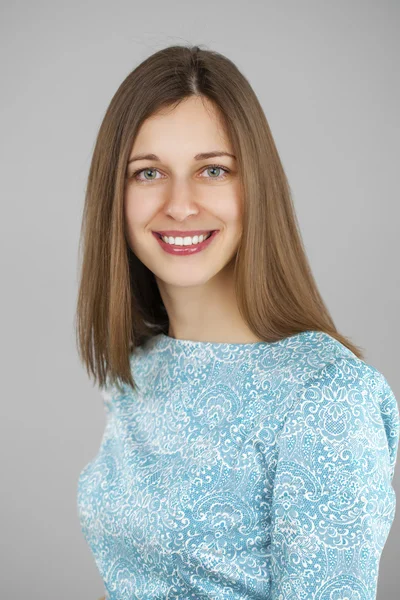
249,449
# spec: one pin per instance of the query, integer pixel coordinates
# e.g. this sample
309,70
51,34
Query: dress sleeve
333,502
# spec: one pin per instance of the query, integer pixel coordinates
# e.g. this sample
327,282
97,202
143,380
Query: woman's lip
174,233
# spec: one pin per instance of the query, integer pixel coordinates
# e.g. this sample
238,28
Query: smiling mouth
183,249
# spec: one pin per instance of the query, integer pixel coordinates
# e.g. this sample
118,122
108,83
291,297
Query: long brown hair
119,305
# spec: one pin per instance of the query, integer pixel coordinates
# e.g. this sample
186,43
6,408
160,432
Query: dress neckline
166,339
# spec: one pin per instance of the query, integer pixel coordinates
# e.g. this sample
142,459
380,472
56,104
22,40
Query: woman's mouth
183,249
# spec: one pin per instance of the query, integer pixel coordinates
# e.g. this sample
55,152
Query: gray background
326,74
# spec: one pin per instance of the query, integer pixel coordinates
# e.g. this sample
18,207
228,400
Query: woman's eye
146,172
217,168
150,170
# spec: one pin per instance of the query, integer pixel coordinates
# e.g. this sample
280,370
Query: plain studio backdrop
327,76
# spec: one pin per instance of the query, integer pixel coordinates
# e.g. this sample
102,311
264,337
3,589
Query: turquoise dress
258,471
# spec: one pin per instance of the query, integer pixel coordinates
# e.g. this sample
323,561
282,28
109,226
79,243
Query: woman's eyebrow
200,156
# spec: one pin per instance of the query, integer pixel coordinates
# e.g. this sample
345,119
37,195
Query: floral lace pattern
243,471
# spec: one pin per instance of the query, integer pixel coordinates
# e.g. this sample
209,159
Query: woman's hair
119,305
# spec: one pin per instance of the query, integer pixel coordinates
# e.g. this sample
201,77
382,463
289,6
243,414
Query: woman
249,449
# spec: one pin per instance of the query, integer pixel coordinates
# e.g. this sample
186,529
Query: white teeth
186,241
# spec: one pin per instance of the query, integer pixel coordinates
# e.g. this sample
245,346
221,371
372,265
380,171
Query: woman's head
180,190
119,303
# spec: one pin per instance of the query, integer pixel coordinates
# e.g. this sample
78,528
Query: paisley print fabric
255,471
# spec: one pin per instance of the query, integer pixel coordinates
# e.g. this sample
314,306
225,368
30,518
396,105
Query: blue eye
148,170
218,168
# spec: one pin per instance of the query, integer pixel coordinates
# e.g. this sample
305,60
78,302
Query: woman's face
176,191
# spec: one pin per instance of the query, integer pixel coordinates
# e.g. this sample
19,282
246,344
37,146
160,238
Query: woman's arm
333,501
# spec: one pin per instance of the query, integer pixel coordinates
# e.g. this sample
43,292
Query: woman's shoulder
342,389
301,356
316,360
319,354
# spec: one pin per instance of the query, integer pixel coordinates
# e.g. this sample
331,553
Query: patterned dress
258,471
